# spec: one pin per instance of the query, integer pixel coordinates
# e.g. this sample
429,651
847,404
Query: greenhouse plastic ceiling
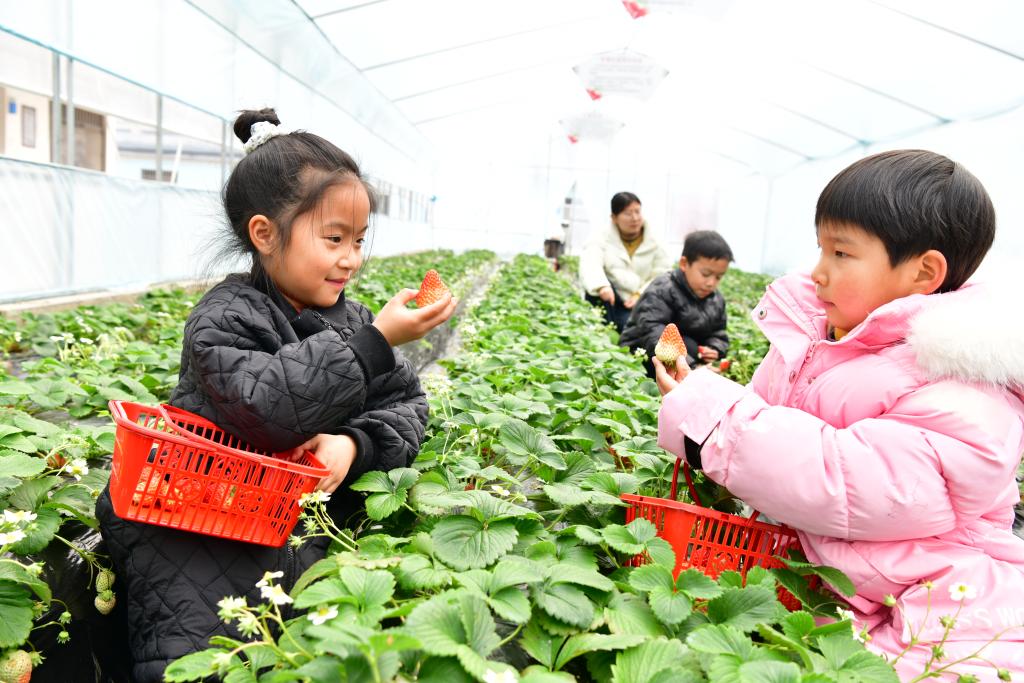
768,85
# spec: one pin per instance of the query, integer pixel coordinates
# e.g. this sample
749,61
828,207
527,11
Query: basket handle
689,484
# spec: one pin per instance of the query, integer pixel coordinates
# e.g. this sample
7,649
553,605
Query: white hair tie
260,132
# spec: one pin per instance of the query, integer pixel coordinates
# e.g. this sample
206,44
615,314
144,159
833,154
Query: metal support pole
55,112
69,149
159,138
223,152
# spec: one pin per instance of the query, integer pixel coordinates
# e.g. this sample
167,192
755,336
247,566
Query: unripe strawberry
16,667
104,580
670,346
105,602
431,290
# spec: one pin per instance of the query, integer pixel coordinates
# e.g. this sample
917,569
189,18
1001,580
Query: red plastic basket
712,541
175,469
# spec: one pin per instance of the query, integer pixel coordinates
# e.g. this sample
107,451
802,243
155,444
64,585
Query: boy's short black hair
706,244
914,200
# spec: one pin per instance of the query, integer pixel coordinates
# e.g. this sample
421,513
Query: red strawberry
724,365
670,346
431,290
594,94
16,667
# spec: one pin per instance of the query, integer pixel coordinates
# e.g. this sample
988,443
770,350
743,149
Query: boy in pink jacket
887,420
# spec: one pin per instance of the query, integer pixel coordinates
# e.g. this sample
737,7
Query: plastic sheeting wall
776,217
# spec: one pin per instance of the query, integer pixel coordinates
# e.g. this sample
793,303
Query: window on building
28,126
150,174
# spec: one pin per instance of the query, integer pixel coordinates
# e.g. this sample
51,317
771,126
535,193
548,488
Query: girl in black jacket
280,359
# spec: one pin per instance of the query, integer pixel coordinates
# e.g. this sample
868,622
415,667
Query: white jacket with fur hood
605,262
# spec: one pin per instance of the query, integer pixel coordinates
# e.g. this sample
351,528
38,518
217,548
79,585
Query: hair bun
247,117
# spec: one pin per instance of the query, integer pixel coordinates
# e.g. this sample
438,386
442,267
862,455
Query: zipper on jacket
289,577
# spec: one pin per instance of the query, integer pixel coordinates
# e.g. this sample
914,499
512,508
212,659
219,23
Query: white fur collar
977,338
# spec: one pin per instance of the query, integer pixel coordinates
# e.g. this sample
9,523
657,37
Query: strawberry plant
503,554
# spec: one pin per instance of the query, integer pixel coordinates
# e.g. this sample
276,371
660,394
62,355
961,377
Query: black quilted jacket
274,378
669,299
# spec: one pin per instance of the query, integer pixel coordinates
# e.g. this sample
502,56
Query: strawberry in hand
670,346
431,290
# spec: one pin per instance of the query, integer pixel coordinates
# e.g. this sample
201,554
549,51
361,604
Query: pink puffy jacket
893,451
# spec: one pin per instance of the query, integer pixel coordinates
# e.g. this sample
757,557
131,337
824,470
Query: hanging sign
590,126
620,72
641,8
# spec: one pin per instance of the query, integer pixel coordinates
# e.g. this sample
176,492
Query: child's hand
337,452
631,301
708,354
669,378
399,324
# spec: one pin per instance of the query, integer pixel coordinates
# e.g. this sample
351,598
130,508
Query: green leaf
39,532
13,464
840,581
731,669
629,614
515,571
467,543
318,570
866,667
744,608
839,647
419,572
670,607
13,571
566,572
641,664
522,439
15,388
566,496
698,585
511,604
240,674
660,551
540,644
565,602
442,670
18,442
31,493
437,624
716,639
588,534
650,577
536,674
16,612
592,642
192,667
796,625
370,588
321,593
620,539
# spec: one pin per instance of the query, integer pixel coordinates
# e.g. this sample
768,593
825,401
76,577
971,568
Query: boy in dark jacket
688,297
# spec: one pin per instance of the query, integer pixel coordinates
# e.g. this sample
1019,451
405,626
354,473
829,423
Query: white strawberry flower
960,591
275,594
19,516
501,490
231,608
314,497
322,614
268,578
11,536
78,468
506,676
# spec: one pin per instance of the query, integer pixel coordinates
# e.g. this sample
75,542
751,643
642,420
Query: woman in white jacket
619,262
